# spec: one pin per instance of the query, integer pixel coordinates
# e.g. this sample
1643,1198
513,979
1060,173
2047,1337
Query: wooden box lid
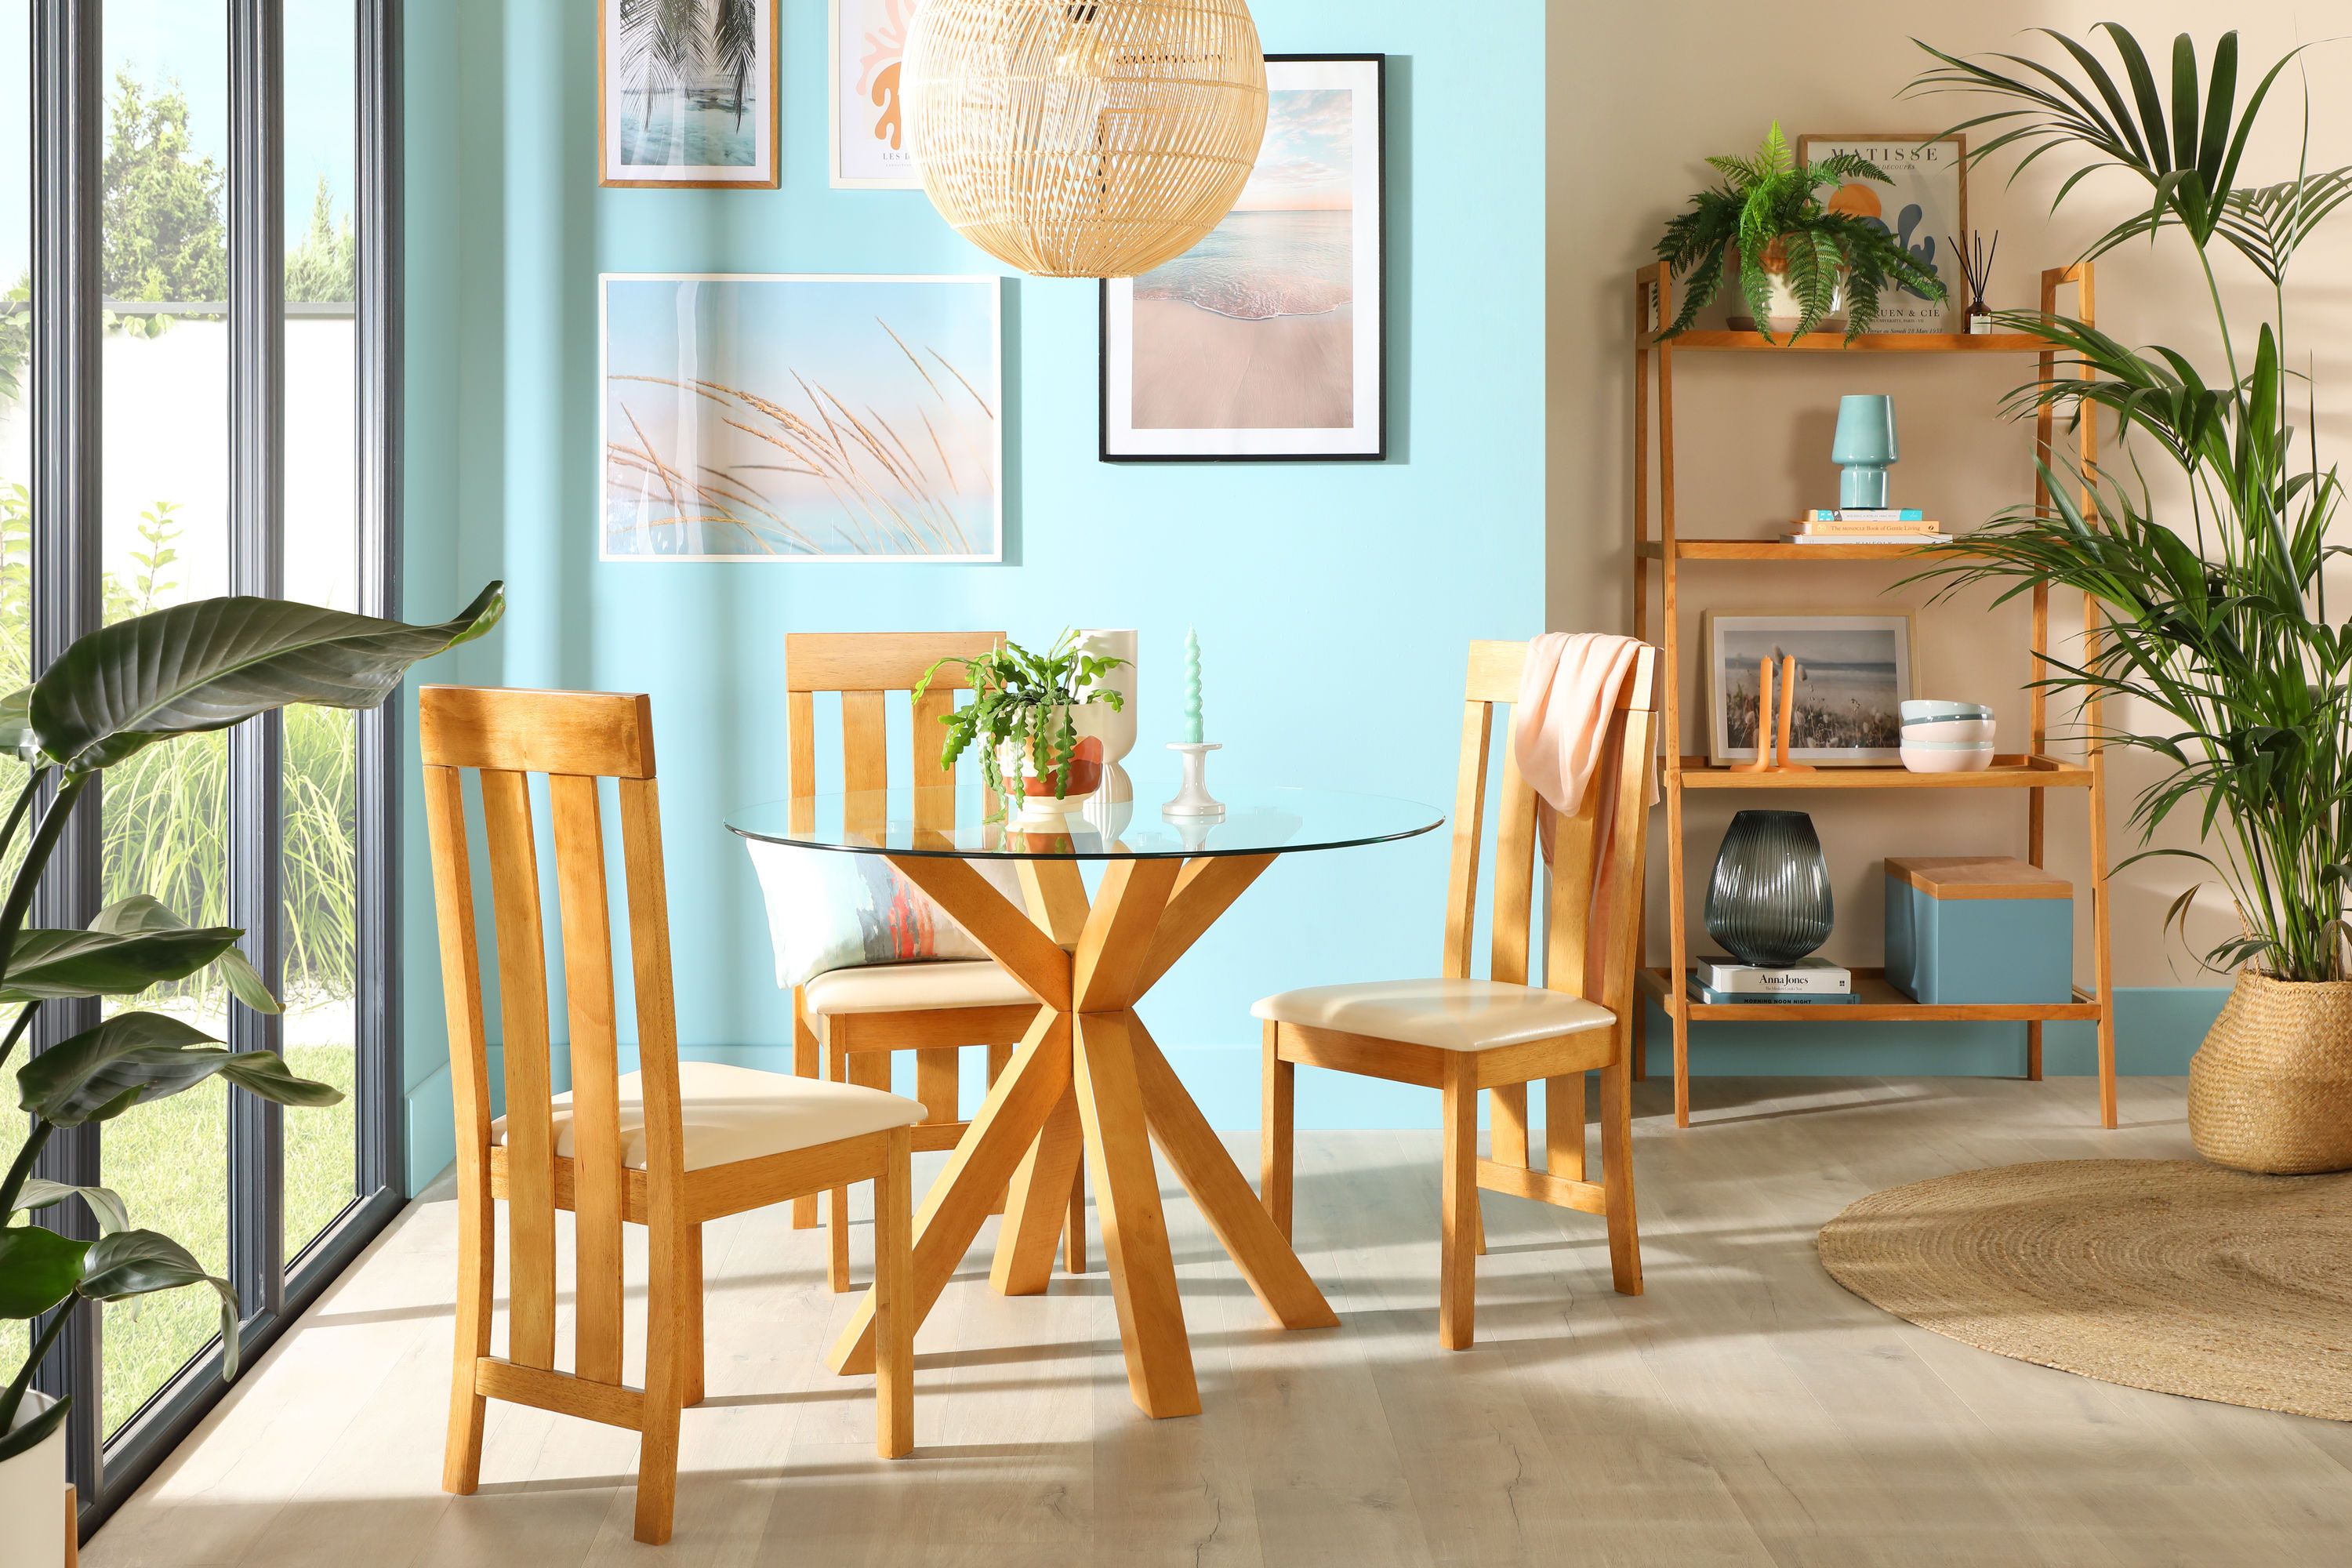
1978,877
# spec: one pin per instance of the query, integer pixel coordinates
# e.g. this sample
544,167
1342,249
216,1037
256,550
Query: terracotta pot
1086,771
2271,1089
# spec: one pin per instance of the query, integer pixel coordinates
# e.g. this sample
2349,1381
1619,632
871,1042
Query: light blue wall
1333,601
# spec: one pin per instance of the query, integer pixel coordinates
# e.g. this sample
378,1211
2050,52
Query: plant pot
1037,779
1783,310
33,1497
2271,1089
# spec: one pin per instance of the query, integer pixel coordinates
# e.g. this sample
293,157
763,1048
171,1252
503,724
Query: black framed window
199,331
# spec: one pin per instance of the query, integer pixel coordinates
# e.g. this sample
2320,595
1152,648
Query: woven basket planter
2271,1089
1093,139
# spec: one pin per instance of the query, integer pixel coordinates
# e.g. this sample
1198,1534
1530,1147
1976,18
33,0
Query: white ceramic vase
33,1497
1115,730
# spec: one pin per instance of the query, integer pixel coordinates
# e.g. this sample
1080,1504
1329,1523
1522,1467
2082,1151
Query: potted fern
114,693
1798,263
1023,717
2209,581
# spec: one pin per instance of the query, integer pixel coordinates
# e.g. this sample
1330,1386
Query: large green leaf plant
2210,578
139,683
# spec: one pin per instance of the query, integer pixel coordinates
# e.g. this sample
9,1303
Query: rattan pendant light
1084,138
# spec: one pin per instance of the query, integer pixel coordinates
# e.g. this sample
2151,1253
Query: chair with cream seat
854,1019
668,1146
1460,1034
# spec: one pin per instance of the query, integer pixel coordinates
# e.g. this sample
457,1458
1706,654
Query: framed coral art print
1264,341
687,93
1924,204
781,418
869,142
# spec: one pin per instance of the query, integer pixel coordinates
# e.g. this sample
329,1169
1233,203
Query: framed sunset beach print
869,141
687,94
1264,342
800,417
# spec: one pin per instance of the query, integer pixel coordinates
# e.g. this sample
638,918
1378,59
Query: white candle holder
1194,799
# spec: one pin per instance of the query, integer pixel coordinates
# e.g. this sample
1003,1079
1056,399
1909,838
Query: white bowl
1947,756
1937,708
1948,730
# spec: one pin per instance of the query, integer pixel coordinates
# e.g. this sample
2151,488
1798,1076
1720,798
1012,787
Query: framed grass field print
1264,341
1854,675
687,93
778,418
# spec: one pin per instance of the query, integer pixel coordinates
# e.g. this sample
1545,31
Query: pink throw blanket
1560,735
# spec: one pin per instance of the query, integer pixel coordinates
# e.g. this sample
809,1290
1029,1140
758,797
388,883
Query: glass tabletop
1119,822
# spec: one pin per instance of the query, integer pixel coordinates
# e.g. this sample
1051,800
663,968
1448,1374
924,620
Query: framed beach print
687,93
1264,341
1854,675
869,149
1926,208
757,416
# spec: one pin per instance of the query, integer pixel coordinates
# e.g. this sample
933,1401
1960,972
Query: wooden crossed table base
1087,1081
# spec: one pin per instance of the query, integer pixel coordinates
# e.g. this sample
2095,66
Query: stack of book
1812,981
1866,525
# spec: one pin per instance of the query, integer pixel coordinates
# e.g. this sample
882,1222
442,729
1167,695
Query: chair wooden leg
1275,1134
1617,1176
837,1199
1458,1189
690,1290
998,1058
894,1308
805,1065
461,1460
665,1379
1074,1230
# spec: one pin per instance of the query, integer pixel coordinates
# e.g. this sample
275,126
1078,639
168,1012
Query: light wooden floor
1746,1410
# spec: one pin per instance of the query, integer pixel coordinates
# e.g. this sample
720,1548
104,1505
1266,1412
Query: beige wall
1638,96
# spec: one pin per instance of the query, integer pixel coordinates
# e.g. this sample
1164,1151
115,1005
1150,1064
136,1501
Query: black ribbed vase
1768,901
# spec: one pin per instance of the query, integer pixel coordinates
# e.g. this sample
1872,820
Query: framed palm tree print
687,93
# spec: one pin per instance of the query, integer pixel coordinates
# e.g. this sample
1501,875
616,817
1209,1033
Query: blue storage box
1978,929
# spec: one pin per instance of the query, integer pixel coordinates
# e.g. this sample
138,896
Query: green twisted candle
1192,687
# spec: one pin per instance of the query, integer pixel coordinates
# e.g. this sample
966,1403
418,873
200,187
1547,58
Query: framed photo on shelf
869,149
1264,342
766,418
1854,675
690,107
1926,208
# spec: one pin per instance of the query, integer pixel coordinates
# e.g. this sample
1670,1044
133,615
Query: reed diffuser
1975,271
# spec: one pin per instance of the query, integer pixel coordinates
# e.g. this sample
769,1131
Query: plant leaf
28,1437
210,664
49,964
17,721
39,1269
105,1205
133,1058
140,913
142,1262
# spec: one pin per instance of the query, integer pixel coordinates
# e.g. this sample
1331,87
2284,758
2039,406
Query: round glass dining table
1087,1084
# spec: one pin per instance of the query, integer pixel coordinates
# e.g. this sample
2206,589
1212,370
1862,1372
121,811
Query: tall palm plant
2210,581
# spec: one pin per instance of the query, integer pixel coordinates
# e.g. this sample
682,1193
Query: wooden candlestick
1788,707
1763,761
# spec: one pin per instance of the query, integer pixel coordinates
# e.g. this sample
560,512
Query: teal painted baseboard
2156,1030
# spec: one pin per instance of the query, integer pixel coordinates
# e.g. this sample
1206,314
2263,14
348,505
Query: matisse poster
869,141
1924,204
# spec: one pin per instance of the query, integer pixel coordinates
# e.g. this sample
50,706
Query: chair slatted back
1494,682
574,738
863,667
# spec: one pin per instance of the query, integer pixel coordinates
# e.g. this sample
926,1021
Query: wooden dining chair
1460,1034
856,1018
668,1146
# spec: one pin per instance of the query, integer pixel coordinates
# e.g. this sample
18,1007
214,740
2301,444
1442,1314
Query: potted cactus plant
1022,716
139,683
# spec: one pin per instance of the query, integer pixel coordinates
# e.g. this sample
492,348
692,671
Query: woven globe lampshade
1084,138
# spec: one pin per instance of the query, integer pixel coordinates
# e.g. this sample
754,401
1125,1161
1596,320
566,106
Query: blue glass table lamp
1864,445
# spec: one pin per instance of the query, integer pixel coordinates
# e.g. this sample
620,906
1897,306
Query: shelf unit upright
2035,771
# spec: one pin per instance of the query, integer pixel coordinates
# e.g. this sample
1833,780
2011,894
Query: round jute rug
2171,1275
